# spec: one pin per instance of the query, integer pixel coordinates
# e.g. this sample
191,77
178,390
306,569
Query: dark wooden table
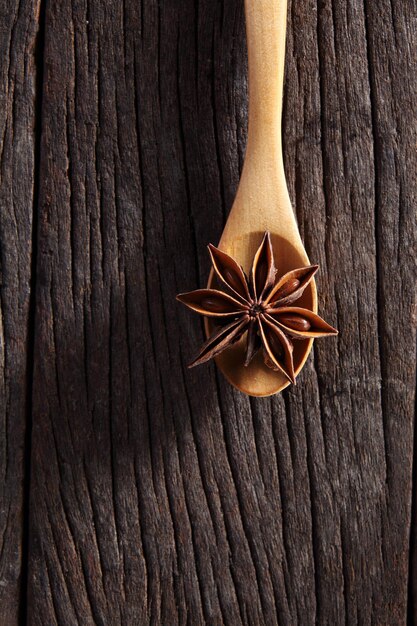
132,490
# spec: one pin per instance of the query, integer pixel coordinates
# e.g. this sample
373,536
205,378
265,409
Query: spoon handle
266,25
262,201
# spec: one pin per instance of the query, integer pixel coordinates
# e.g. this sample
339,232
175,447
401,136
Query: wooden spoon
262,201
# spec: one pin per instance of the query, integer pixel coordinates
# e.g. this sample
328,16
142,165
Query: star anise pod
259,306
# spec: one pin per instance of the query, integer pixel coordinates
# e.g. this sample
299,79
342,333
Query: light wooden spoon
262,202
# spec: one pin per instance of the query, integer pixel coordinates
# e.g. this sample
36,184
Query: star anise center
256,308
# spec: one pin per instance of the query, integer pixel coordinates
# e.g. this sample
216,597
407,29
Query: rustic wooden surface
135,491
18,173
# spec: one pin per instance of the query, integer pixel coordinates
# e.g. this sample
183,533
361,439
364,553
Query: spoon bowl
257,379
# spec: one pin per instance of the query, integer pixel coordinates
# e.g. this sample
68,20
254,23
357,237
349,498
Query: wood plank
360,86
163,496
18,29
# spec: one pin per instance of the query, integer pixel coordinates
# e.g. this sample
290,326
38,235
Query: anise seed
295,322
276,346
232,279
287,288
261,274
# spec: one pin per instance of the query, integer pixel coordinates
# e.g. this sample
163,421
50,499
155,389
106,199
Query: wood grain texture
162,496
18,28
